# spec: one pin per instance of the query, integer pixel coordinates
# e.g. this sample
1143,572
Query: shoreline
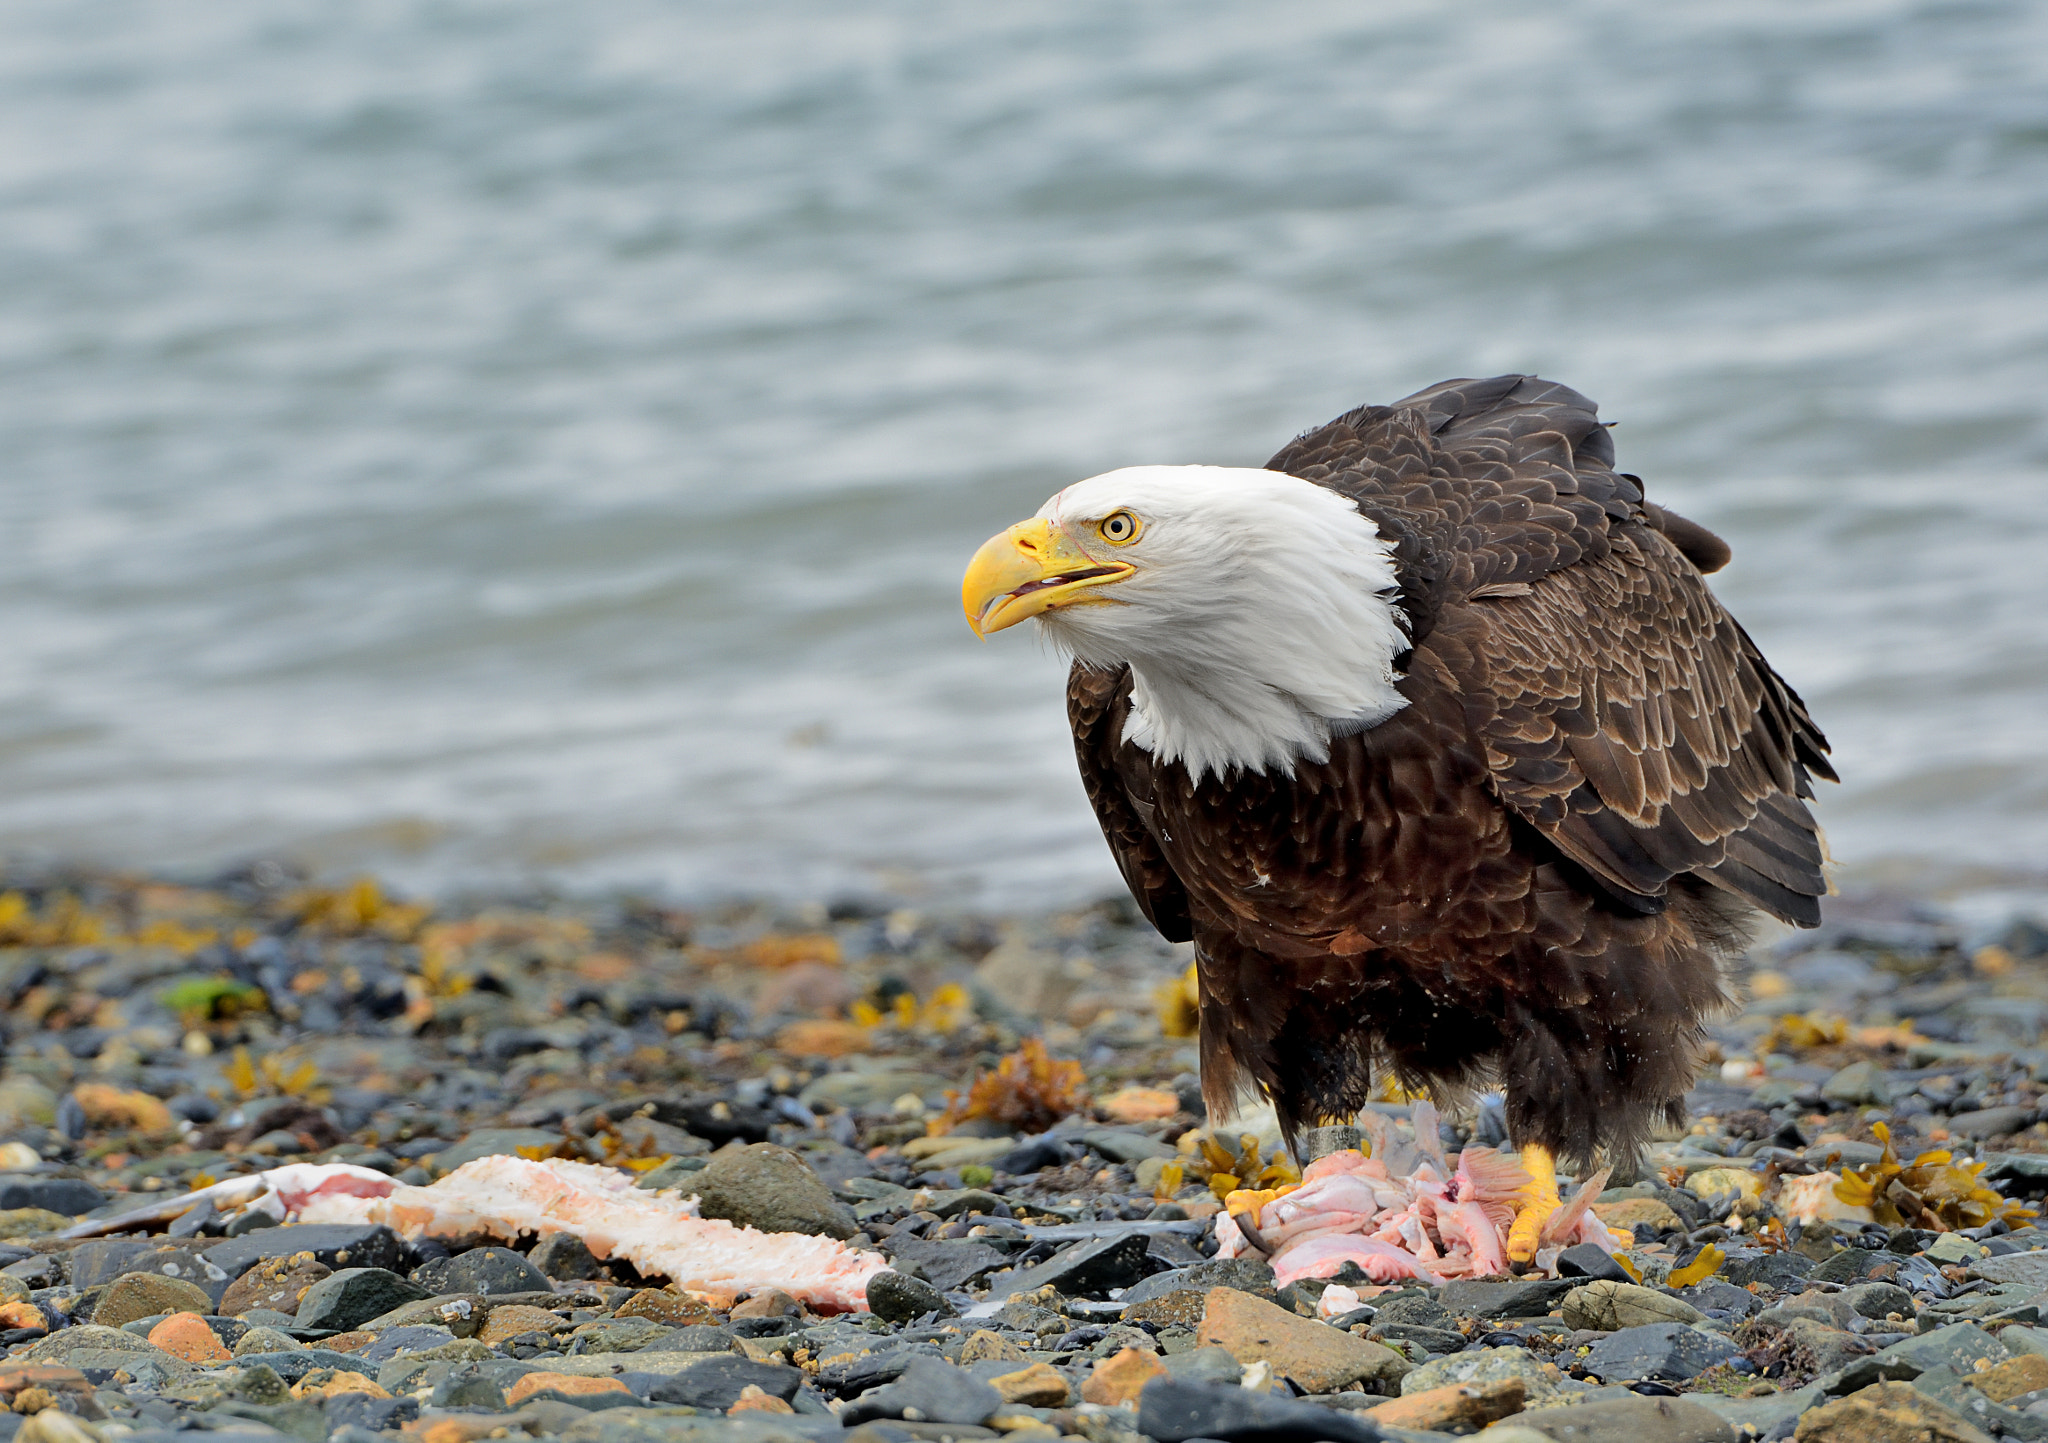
1005,1109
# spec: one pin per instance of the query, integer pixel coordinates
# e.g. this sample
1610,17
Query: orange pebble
566,1383
1120,1379
753,1400
23,1315
186,1335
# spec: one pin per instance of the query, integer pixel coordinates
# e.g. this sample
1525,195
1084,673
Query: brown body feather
1531,873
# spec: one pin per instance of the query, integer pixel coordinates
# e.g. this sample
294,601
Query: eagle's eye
1119,528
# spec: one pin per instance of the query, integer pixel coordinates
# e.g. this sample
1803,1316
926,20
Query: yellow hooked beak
1030,568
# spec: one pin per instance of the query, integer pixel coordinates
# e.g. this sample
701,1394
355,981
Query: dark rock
1415,1310
1635,1420
375,1415
870,1370
1247,1275
768,1187
293,1366
1033,1155
1471,1298
1715,1296
1879,1300
953,1203
929,1390
338,1245
718,1383
1589,1260
489,1272
1958,1346
717,1120
1780,1272
101,1260
45,1270
1174,1410
353,1296
68,1195
468,1388
565,1258
697,1338
770,1327
1853,1265
947,1266
1431,1340
1989,1122
894,1298
1671,1352
407,1338
1084,1268
1205,1365
616,1335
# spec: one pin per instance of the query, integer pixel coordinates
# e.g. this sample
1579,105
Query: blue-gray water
499,441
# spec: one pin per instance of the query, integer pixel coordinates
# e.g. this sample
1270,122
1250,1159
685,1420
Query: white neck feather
1261,622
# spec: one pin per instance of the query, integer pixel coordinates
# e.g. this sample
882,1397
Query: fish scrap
1402,1211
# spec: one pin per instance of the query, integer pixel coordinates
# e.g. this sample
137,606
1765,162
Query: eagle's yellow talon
1540,1201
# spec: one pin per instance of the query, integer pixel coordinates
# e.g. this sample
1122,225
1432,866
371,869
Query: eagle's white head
1257,611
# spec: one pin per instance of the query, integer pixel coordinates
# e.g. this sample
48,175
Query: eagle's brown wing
1095,708
1624,714
1630,720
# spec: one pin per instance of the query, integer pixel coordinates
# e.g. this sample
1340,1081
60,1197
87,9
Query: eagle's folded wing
1629,719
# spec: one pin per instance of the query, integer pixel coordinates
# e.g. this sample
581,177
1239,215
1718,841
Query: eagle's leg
1322,1141
1539,1202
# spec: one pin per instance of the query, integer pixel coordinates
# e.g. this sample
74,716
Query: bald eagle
1433,740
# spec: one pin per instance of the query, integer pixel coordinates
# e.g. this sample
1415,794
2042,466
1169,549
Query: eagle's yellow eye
1119,528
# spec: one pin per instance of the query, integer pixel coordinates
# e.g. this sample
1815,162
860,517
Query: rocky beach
994,1126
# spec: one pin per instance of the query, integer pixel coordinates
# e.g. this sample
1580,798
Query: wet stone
1633,1420
1589,1260
397,1342
338,1245
1083,1269
898,1299
1879,1300
1475,1299
946,1265
67,1195
1247,1275
143,1295
467,1387
354,1296
718,1382
102,1260
1609,1307
371,1414
1184,1308
485,1272
1884,1412
770,1188
275,1284
677,1310
616,1335
1489,1365
1317,1357
695,1338
929,1390
565,1258
265,1340
1667,1352
1173,1410
1779,1272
